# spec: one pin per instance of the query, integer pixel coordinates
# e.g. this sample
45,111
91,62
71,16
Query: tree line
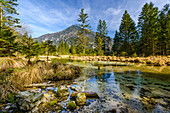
149,37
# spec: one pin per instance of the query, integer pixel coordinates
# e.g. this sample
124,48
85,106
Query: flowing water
132,88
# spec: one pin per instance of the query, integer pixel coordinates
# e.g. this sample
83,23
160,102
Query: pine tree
29,47
99,33
7,8
73,49
104,28
100,46
164,31
102,33
117,42
100,27
7,35
147,24
83,41
7,42
66,46
128,34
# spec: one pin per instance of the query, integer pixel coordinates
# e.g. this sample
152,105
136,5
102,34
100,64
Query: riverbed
131,88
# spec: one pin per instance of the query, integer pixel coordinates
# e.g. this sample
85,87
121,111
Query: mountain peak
69,35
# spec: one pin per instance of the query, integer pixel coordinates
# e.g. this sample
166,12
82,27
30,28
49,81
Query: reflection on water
132,88
128,91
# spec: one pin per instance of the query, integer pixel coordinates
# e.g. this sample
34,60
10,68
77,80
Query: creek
132,88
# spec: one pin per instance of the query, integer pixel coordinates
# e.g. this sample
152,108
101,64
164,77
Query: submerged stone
80,98
62,91
71,105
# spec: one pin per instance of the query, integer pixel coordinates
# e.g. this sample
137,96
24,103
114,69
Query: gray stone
27,101
62,91
80,99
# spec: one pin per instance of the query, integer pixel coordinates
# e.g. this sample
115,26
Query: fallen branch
88,94
38,85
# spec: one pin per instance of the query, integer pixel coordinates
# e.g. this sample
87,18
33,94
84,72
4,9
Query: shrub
134,55
123,53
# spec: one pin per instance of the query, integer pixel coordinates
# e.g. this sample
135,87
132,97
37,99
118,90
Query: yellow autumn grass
6,63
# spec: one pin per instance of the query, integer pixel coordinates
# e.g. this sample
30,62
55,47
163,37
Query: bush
123,54
134,55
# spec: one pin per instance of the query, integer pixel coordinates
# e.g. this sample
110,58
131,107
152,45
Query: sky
49,16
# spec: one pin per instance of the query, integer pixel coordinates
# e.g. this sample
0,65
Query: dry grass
12,63
15,74
41,71
7,66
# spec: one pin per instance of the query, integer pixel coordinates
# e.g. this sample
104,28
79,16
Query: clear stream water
133,88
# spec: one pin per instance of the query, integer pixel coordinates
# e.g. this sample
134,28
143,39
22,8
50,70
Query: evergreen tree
29,47
100,27
73,49
43,47
59,47
100,46
163,44
117,42
128,34
147,24
104,28
83,41
66,47
7,42
7,35
99,33
102,33
7,9
62,48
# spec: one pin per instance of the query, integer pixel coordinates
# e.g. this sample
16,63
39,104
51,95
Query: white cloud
46,16
112,11
42,17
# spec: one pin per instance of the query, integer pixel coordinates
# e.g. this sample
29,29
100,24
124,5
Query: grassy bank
16,73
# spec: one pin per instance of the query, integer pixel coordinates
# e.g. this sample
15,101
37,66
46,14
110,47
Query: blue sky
49,16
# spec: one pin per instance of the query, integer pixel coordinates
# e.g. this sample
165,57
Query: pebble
7,107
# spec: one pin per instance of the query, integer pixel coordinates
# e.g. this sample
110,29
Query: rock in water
71,105
80,98
28,101
62,91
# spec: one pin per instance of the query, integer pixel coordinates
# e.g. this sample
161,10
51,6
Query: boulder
137,60
71,105
149,61
29,101
80,98
62,91
50,95
76,88
159,63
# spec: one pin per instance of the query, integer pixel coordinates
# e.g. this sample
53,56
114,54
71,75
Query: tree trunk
29,62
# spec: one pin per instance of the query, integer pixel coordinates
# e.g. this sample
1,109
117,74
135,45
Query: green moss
71,105
54,102
10,97
63,92
80,98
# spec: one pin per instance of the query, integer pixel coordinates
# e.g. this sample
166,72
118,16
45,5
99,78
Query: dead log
38,85
88,94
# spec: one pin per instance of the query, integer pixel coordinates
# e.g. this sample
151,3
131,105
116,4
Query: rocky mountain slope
69,35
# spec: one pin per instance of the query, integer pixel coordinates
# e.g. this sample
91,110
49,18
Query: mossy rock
80,98
62,91
71,105
53,102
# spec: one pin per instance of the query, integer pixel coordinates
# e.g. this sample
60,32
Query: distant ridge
69,35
